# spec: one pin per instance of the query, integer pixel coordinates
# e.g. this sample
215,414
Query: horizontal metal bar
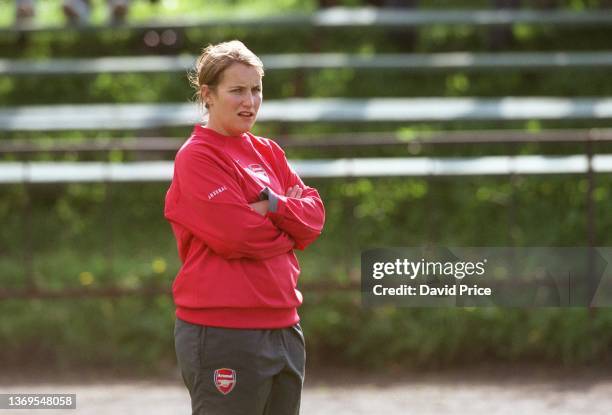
160,171
339,17
327,140
66,172
406,62
144,116
422,166
350,140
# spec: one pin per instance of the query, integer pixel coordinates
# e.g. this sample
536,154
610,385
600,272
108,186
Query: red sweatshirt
239,269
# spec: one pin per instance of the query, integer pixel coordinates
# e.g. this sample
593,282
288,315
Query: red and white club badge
258,171
225,380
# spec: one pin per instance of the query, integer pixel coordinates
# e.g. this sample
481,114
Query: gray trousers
241,371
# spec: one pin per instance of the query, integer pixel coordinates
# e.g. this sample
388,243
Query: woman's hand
294,191
260,207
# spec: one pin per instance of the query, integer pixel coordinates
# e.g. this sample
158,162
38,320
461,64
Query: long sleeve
206,199
301,218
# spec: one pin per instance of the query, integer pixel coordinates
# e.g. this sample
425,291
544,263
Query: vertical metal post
108,215
590,212
512,209
430,204
349,252
513,178
108,218
28,248
430,228
591,231
299,82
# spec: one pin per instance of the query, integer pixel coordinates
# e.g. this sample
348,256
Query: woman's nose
249,99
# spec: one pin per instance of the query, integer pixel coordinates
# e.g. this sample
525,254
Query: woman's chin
245,126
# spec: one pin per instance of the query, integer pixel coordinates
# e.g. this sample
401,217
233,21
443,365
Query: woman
238,211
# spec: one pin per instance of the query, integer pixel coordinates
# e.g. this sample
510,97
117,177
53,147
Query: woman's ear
205,93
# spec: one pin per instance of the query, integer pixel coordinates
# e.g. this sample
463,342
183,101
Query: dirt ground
490,391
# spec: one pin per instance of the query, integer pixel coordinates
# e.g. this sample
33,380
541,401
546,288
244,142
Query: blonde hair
214,60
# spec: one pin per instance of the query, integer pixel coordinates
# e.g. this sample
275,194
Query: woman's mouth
246,114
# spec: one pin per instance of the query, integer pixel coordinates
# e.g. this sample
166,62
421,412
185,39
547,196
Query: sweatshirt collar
202,131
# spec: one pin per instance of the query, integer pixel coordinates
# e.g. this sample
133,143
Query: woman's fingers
260,207
294,191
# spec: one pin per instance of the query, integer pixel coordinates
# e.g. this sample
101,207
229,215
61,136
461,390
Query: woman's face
234,103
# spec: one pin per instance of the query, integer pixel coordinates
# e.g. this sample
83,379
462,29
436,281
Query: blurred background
446,123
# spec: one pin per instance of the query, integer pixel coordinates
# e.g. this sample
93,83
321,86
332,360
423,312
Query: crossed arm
233,227
261,206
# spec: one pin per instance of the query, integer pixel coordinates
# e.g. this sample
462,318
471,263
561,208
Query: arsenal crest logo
225,380
258,171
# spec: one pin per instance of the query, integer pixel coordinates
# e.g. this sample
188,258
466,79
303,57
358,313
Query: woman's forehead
240,74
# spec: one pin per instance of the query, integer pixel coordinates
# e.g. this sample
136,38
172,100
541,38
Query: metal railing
406,62
340,17
588,164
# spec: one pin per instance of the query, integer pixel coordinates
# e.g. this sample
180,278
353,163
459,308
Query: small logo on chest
258,171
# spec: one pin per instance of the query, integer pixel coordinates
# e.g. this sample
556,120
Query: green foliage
98,235
76,237
130,332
